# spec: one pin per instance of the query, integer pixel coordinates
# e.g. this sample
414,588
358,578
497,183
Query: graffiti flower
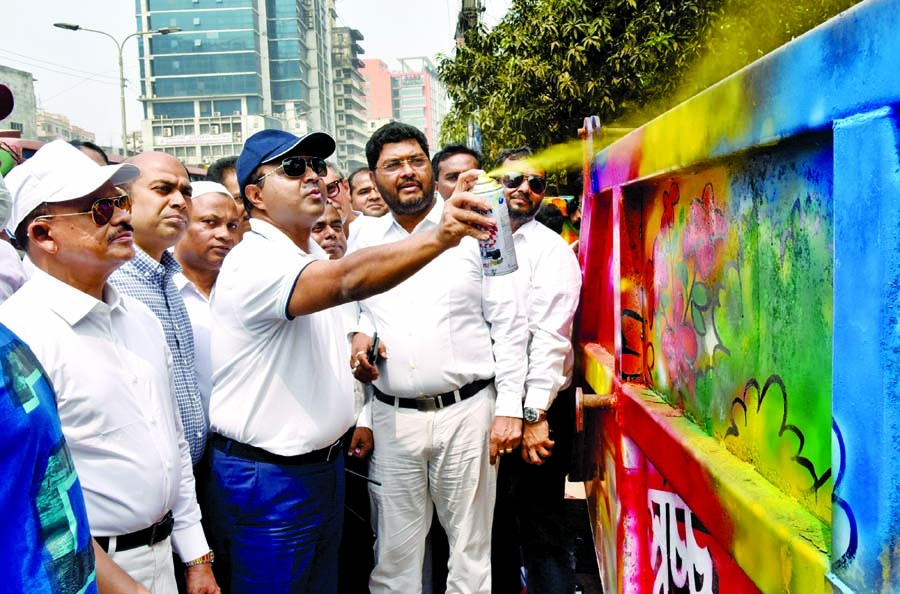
703,231
679,346
670,199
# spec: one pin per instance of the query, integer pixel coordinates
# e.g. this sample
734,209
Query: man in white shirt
364,196
328,232
281,394
457,344
106,354
449,163
213,229
530,511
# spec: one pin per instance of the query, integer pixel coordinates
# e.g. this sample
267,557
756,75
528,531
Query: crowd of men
201,363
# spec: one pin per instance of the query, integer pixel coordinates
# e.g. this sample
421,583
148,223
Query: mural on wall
726,308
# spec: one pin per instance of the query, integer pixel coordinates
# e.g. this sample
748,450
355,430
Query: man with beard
214,229
364,196
282,397
531,486
457,350
106,355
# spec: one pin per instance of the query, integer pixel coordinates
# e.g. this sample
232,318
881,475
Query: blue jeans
276,529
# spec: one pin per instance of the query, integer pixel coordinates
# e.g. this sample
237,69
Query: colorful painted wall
742,284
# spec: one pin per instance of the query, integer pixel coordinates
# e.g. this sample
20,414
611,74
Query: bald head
162,202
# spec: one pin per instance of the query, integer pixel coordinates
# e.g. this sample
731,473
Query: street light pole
119,46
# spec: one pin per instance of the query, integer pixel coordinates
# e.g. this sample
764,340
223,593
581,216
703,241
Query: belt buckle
427,404
159,526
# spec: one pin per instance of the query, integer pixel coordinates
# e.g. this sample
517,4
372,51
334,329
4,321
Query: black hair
217,171
551,217
390,133
516,154
90,145
354,173
451,150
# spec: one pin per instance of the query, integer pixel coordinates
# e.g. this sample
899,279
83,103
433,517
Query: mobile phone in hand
372,353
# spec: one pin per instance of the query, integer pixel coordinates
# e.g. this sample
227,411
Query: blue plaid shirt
150,282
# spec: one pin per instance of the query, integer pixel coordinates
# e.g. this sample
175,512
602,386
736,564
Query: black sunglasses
296,167
334,188
101,211
536,183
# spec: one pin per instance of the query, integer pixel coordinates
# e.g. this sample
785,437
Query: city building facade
51,126
350,107
413,94
236,67
23,118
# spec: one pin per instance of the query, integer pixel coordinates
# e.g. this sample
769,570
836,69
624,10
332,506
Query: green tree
549,63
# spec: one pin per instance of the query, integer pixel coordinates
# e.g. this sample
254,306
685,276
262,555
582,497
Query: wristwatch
207,558
533,415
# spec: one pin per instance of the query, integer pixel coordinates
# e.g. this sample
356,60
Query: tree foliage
549,63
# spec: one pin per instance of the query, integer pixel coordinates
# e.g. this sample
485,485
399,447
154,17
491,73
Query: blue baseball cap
267,146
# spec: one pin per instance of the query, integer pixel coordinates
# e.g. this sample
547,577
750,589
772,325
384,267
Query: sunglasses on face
296,167
101,211
536,183
334,188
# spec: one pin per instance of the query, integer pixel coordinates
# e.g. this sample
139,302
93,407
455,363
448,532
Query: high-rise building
413,95
350,107
418,97
377,89
236,67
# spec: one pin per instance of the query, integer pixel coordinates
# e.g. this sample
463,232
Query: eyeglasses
296,167
334,188
536,183
101,211
395,165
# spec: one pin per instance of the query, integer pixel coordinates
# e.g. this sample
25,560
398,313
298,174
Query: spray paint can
498,253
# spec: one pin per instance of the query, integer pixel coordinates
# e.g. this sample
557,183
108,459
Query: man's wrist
208,558
533,416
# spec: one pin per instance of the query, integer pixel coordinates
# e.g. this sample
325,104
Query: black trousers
530,526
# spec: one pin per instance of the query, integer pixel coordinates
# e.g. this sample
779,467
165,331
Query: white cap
59,172
207,187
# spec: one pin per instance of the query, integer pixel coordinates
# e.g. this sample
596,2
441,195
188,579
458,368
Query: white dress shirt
439,325
279,383
12,271
549,281
113,377
198,311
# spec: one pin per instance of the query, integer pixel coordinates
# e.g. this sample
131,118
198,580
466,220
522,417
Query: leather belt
255,454
146,537
437,401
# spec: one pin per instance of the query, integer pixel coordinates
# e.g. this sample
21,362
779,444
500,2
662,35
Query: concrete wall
24,113
740,303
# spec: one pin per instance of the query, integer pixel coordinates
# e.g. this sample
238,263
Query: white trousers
440,457
151,567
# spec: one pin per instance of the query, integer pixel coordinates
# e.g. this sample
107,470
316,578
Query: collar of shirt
187,288
523,230
272,233
69,303
149,268
431,220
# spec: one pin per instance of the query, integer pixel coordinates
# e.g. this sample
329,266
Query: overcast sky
77,72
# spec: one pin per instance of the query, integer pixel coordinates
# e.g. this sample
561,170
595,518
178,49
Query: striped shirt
150,282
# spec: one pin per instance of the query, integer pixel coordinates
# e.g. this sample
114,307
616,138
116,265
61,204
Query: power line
93,75
68,68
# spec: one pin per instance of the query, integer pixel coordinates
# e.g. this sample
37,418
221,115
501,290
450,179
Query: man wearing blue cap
281,396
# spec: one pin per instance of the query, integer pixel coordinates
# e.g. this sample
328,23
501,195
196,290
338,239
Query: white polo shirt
280,384
197,306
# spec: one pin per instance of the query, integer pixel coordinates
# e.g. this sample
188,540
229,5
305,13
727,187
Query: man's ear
253,193
40,237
